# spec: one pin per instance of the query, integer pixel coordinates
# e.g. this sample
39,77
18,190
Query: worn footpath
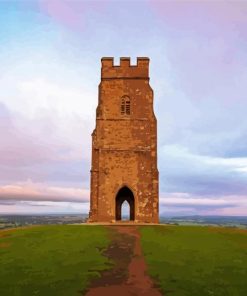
129,273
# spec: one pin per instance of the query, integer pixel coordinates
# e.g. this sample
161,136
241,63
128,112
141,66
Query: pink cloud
42,207
30,191
21,146
230,211
176,202
211,16
69,13
206,47
41,140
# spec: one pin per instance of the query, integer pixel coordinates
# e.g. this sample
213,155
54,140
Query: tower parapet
125,70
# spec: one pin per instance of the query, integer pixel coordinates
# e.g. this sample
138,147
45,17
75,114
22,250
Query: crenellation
125,63
143,62
107,62
125,70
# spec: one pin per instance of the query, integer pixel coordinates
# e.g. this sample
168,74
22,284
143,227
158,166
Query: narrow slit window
125,106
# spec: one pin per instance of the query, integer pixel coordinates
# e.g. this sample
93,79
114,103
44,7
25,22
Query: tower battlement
125,69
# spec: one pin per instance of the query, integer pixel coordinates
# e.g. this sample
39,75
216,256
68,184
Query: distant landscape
9,221
226,221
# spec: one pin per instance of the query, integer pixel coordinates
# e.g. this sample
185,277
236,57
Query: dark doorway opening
125,194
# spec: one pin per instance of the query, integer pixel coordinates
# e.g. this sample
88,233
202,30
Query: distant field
189,260
51,260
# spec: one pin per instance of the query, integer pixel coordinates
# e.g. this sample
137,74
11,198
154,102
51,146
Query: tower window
125,105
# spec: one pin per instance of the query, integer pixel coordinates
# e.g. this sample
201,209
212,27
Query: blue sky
50,55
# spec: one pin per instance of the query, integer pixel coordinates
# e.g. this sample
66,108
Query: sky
50,53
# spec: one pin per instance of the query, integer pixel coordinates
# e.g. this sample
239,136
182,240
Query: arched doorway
125,194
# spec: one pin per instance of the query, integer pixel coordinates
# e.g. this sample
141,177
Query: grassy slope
194,261
50,260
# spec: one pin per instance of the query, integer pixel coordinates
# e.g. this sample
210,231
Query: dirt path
129,274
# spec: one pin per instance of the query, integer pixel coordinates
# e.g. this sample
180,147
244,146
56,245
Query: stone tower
124,145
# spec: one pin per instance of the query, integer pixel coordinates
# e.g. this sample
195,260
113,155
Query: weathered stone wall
124,147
